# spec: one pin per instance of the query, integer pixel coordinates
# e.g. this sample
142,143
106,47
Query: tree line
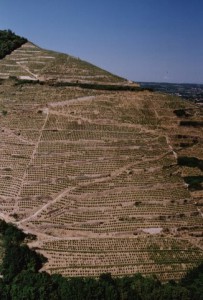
9,41
90,86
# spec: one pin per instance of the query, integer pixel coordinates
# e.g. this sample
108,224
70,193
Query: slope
95,174
33,63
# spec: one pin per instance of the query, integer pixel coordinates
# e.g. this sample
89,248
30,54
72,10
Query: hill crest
34,63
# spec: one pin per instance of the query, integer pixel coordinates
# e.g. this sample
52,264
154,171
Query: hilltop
28,61
99,176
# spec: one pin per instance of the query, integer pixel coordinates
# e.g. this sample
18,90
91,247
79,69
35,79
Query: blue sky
141,40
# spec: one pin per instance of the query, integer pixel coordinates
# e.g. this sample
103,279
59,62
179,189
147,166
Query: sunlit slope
94,175
32,62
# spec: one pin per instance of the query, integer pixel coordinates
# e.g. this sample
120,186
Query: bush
9,41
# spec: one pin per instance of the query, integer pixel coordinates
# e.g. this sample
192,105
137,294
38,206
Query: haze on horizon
149,40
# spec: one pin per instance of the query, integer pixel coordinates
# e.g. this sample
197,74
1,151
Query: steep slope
97,174
33,63
94,175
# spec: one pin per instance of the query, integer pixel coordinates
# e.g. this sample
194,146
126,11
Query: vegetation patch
106,87
181,113
191,123
90,86
195,182
191,162
9,41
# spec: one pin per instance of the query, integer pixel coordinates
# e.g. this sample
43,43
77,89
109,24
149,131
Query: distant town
193,92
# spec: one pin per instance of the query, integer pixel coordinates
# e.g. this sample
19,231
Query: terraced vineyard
33,63
94,174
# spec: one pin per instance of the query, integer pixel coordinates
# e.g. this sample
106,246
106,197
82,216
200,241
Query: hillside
31,62
100,177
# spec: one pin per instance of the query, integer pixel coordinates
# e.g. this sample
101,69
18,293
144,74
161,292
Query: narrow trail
9,132
27,70
155,111
170,147
30,162
201,213
61,194
71,101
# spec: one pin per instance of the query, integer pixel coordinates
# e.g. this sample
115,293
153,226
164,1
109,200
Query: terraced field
33,63
94,174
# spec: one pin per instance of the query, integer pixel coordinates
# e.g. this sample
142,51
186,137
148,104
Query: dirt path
201,213
27,70
71,101
171,148
63,193
30,162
